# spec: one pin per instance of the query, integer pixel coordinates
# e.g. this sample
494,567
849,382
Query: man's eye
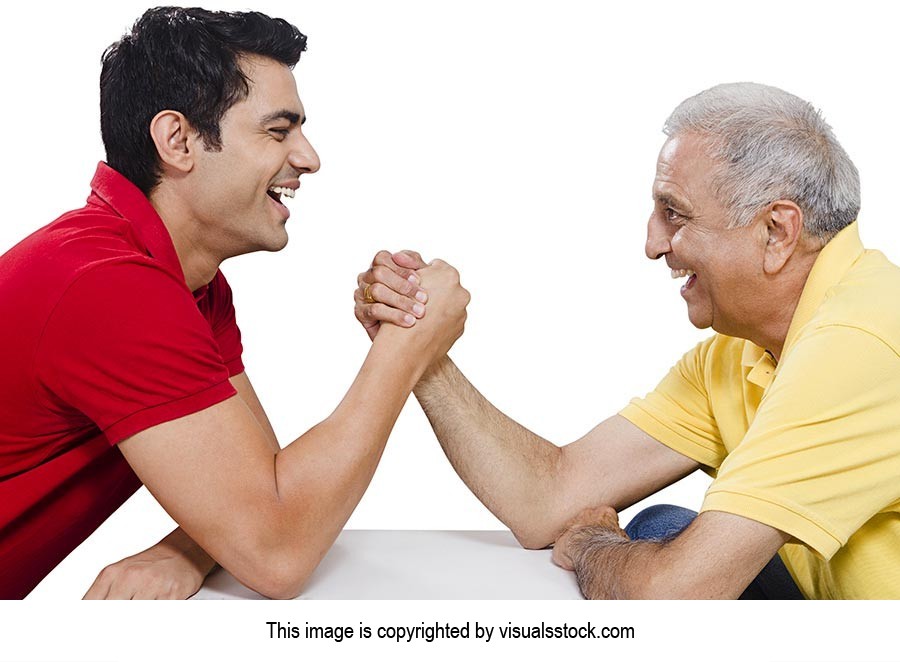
281,134
672,216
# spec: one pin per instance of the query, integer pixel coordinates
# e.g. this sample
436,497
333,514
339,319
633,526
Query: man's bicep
618,464
213,472
242,385
717,557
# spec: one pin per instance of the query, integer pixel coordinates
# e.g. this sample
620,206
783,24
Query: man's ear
784,228
174,139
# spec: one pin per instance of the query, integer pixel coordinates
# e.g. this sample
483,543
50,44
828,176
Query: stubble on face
234,203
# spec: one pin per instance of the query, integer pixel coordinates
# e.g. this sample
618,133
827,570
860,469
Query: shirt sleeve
127,346
218,308
678,413
822,455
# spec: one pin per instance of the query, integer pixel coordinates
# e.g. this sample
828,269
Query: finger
591,515
383,294
396,292
561,558
99,589
151,592
386,260
378,312
365,278
408,259
121,590
368,315
407,286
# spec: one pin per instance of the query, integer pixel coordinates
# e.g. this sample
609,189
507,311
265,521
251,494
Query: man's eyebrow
668,200
284,114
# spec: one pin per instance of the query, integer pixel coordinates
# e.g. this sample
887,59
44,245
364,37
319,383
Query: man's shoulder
44,265
82,236
865,299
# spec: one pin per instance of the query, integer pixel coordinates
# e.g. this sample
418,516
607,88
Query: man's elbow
531,538
279,577
540,529
277,557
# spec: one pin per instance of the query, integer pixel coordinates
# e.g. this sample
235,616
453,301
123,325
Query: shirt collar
761,364
127,200
833,261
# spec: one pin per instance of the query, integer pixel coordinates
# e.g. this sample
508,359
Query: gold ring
367,296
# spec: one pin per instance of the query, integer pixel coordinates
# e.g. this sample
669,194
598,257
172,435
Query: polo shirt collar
833,261
761,364
127,200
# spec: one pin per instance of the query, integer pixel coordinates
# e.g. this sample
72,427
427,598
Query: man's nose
303,156
659,237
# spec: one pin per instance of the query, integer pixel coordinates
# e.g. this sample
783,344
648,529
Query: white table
422,565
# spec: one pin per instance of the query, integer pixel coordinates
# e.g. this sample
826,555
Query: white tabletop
422,565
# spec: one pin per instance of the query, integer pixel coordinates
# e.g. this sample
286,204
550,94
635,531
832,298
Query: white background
516,140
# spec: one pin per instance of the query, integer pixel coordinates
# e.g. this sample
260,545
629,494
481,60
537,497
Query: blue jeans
659,522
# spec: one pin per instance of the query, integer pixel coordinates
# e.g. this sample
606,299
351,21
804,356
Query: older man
793,406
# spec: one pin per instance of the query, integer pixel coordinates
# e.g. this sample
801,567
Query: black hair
183,59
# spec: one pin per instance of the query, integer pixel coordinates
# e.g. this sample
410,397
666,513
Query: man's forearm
321,476
610,567
510,469
716,557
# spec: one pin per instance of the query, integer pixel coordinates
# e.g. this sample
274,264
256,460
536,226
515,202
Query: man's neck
199,261
782,296
773,336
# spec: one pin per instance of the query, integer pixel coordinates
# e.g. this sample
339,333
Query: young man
121,352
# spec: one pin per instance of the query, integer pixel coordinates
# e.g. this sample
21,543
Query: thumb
408,259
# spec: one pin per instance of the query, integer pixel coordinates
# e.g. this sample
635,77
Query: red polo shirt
100,338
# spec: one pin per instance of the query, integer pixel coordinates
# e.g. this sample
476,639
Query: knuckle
381,273
381,257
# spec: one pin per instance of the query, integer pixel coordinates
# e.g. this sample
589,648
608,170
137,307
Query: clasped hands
394,290
391,291
402,290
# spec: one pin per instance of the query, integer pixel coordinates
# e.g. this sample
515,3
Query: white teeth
681,273
283,190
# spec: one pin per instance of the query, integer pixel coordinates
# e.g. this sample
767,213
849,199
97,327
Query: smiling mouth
682,273
275,192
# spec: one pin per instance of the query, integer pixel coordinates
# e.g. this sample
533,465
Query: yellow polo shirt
810,445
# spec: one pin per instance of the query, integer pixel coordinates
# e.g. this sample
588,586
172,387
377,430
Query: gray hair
771,146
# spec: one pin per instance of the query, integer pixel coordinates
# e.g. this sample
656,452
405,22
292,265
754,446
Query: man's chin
276,242
699,319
